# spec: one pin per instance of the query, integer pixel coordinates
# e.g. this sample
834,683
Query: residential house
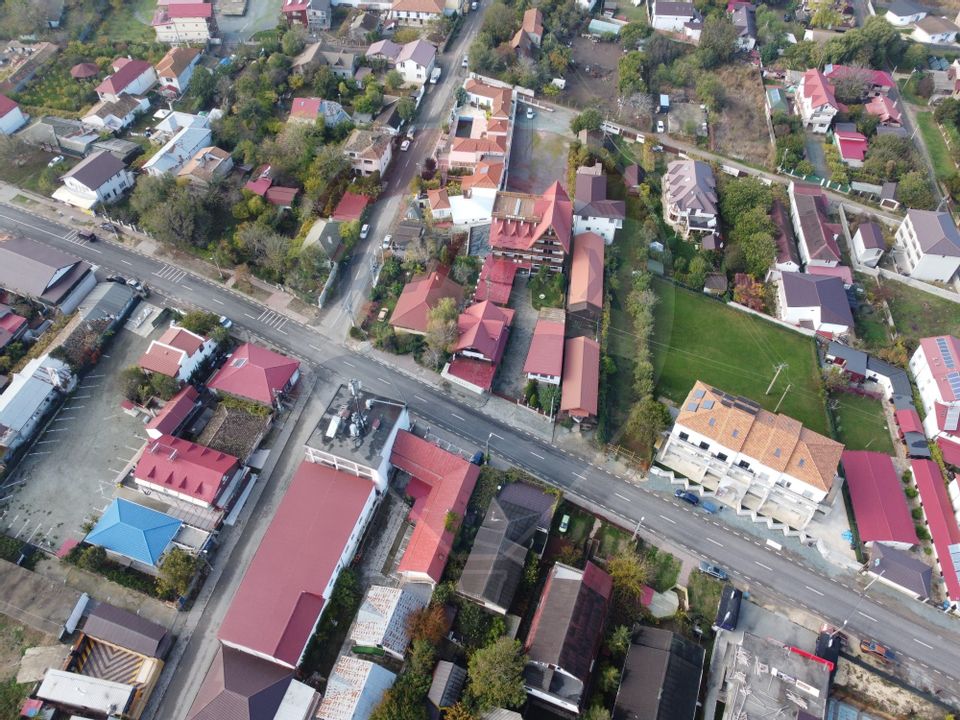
96,181
174,414
816,236
364,25
768,463
325,233
565,634
901,13
901,570
941,521
441,484
351,207
467,152
114,115
122,628
369,151
530,34
930,245
384,616
633,176
417,12
446,687
130,77
11,117
852,147
418,298
134,535
787,257
173,122
12,326
309,58
176,68
517,522
592,210
673,16
868,244
254,373
207,166
310,109
935,366
416,61
43,273
878,82
495,282
690,197
816,101
28,400
885,110
178,353
879,504
61,135
341,63
262,185
744,19
935,30
815,302
544,361
178,150
579,398
385,49
533,231
585,296
189,472
184,23
498,100
67,693
355,687
314,15
483,329
439,203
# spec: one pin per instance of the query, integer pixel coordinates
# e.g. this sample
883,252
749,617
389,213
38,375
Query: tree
648,418
634,33
458,712
824,15
834,379
609,679
759,250
914,191
710,92
852,85
406,109
739,195
589,119
429,623
630,70
629,572
619,641
441,329
499,23
717,41
92,558
294,40
131,380
915,56
597,712
393,81
495,675
461,96
177,569
200,322
697,272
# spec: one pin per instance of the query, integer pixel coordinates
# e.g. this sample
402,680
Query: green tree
589,119
495,676
294,40
442,330
177,569
717,41
824,15
759,250
393,81
697,272
597,712
92,558
629,572
914,191
630,69
458,712
619,641
710,92
131,380
739,195
200,322
406,109
915,56
634,33
499,23
609,679
202,87
648,418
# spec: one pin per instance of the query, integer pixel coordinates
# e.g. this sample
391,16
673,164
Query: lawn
943,165
704,592
908,88
131,23
861,423
700,338
918,314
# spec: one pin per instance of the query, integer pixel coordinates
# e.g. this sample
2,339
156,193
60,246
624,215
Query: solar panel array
952,420
954,380
948,359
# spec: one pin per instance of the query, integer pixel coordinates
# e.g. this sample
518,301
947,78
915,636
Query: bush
911,492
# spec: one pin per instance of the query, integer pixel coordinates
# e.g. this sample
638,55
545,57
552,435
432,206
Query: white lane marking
669,520
921,642
316,348
765,567
541,457
385,382
582,477
417,397
126,262
250,316
36,227
714,542
458,417
622,497
348,364
813,590
218,302
185,287
871,619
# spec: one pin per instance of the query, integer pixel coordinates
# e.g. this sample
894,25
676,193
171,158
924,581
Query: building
935,30
672,16
901,570
326,234
43,273
187,471
309,110
744,19
263,186
579,398
935,366
565,634
815,302
383,618
585,295
852,147
128,630
690,197
495,98
314,15
254,373
446,687
350,207
11,117
592,211
816,101
901,13
517,522
931,245
134,534
354,689
816,236
114,115
208,166
879,503
441,484
483,329
533,231
868,244
530,34
184,23
788,256
94,697
28,400
661,677
884,109
176,68
941,521
416,61
877,81
178,353
97,180
544,361
419,297
174,414
61,135
417,12
178,150
495,282
369,151
12,326
130,77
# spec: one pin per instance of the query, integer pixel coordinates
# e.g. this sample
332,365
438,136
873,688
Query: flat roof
85,692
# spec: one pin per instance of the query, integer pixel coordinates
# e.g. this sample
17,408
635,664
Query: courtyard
538,154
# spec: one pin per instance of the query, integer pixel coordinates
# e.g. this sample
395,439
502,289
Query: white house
930,245
592,210
868,244
815,302
100,178
369,151
816,101
130,77
11,117
586,5
114,115
178,150
672,16
935,30
417,12
176,68
28,398
902,13
439,203
416,61
935,367
184,22
690,197
177,353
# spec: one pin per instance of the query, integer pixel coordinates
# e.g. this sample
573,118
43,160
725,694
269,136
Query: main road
919,634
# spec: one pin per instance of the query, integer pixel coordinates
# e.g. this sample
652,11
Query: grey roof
96,169
128,630
904,8
501,714
902,568
386,48
803,290
679,9
934,24
786,241
745,20
420,51
590,198
855,361
871,235
917,445
240,686
32,269
660,679
29,390
936,232
815,231
447,685
691,185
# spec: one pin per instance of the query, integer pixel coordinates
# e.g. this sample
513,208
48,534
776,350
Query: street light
863,594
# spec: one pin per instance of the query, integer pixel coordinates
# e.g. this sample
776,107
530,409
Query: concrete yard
538,155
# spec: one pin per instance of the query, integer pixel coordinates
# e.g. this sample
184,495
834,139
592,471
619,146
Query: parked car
465,62
660,126
435,75
477,458
474,5
364,231
55,161
710,506
411,132
109,227
116,278
87,235
387,242
530,113
405,145
686,496
882,652
715,570
564,523
226,322
657,148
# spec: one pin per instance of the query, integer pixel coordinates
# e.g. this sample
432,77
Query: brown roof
128,630
240,686
533,21
419,296
96,169
438,199
586,272
545,356
486,174
581,377
423,6
176,61
777,441
500,97
32,269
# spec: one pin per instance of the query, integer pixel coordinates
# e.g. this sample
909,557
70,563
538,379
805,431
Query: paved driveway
813,145
510,378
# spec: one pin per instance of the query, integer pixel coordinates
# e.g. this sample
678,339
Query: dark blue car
686,496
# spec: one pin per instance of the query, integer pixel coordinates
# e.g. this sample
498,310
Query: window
713,421
744,464
722,457
704,446
684,436
736,433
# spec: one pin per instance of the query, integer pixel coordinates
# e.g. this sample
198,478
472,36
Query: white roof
29,390
82,691
172,122
298,702
383,616
354,689
179,149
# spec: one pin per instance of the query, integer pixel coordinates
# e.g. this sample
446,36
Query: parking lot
538,155
510,379
69,475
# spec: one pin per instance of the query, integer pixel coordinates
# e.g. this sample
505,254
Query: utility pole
782,397
779,367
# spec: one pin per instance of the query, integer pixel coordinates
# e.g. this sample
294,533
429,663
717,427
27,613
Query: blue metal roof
134,531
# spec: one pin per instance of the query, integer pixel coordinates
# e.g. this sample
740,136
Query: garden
861,422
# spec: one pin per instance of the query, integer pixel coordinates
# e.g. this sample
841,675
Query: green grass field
908,88
131,23
862,424
939,153
697,338
918,314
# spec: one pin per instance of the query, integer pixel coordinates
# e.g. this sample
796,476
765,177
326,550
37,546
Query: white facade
184,30
549,379
138,86
13,120
932,267
375,157
931,394
178,150
866,256
415,73
812,314
116,119
904,20
414,17
181,81
603,226
944,37
817,115
668,18
73,192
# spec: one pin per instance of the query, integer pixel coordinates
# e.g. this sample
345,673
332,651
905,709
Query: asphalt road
920,635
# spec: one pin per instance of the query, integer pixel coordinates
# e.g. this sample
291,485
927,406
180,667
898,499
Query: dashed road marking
921,642
622,497
872,619
765,567
669,519
539,457
718,544
813,590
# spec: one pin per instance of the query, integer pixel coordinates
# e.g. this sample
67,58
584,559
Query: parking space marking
170,272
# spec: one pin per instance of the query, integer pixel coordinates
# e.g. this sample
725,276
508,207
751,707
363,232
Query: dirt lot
596,86
741,132
879,697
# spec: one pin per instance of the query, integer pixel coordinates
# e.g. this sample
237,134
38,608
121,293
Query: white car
405,145
56,161
363,232
529,113
660,127
465,62
387,242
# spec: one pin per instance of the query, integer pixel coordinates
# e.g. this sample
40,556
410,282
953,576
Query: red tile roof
581,377
11,323
545,356
305,107
908,420
484,328
418,297
180,466
820,90
879,78
182,339
280,195
950,450
350,207
255,373
839,271
879,503
258,186
476,372
6,105
282,593
942,365
126,73
496,280
940,519
553,210
853,145
190,10
451,480
174,412
884,108
586,271
486,174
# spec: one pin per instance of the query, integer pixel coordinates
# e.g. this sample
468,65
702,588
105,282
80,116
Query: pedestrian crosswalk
274,320
74,237
171,273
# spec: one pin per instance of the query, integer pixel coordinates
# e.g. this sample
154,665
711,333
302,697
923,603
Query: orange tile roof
586,271
581,377
485,175
418,297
